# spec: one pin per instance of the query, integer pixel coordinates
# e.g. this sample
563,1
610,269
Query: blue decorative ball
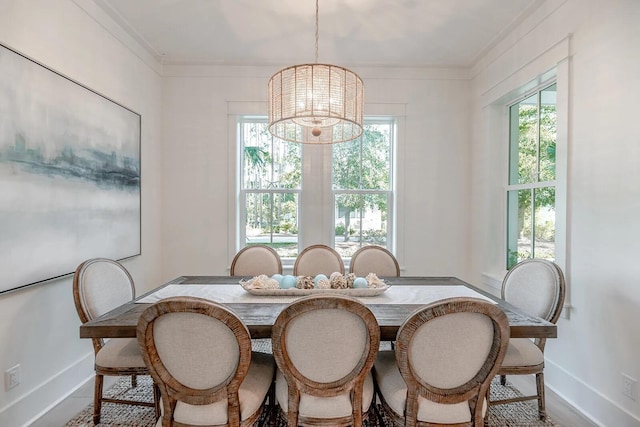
277,278
318,278
288,281
360,282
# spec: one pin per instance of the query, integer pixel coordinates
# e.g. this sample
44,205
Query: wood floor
563,414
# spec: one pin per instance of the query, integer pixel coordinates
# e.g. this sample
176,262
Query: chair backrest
374,259
325,345
99,286
197,351
255,260
537,287
449,351
318,259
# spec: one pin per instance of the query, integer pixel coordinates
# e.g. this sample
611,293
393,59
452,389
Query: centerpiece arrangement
302,285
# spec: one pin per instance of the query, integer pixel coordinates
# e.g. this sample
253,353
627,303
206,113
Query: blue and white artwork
69,174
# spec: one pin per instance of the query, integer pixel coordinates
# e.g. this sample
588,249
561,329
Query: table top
259,313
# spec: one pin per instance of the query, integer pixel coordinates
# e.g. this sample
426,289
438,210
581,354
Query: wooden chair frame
308,251
358,253
173,390
245,251
297,383
80,300
472,391
537,370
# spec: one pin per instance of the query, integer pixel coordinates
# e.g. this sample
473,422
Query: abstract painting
69,174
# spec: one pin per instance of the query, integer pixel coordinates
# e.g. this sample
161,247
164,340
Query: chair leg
541,405
156,400
134,381
97,398
486,414
503,380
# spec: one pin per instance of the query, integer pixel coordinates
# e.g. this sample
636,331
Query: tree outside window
362,188
531,190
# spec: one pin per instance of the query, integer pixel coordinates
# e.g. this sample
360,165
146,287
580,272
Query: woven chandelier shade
316,104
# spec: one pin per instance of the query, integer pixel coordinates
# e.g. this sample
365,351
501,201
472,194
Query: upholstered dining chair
374,259
100,285
537,287
446,355
324,346
255,260
318,259
199,354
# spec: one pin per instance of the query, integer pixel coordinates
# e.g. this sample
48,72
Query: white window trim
321,162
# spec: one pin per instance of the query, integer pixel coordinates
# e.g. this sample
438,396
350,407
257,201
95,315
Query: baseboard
585,399
41,399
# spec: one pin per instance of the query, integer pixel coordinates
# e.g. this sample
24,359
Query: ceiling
406,33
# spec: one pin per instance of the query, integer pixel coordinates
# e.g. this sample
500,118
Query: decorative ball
277,278
360,282
319,277
323,284
288,281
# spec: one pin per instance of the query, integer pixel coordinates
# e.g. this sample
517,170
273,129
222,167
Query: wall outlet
12,378
628,386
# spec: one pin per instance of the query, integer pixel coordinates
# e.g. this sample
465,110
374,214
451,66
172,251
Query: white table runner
234,293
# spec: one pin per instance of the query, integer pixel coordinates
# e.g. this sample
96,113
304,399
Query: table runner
234,293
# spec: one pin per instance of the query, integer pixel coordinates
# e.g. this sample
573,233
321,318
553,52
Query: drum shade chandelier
316,103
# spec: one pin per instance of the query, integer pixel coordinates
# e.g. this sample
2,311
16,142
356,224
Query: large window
362,188
279,185
531,190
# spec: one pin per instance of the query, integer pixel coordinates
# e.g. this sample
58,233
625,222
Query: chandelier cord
317,31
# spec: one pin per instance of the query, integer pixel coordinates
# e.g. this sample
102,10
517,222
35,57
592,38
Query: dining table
401,297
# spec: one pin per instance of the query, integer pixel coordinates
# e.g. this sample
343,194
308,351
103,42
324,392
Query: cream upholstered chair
255,260
324,346
374,259
100,285
318,259
537,287
199,354
446,355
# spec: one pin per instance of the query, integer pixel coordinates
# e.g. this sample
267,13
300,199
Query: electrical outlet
628,386
12,378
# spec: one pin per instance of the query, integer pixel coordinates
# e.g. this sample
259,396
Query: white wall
198,176
596,44
39,325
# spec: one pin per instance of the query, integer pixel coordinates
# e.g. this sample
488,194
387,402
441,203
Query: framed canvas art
69,174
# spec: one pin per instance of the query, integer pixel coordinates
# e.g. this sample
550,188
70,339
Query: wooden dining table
391,309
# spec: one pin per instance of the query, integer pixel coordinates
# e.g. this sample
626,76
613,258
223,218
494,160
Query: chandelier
316,103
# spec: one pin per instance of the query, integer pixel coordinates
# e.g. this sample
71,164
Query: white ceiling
408,33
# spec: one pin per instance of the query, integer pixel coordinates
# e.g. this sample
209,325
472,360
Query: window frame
557,183
310,194
390,192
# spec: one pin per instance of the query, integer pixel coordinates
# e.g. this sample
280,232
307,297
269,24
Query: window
279,185
270,188
362,188
531,189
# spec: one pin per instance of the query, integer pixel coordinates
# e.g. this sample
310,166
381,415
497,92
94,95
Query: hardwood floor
562,413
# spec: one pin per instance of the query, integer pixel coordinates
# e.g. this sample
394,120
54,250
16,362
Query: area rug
522,414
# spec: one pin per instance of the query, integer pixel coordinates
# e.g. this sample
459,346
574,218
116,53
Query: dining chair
445,357
324,347
199,354
254,260
100,285
374,259
318,259
537,287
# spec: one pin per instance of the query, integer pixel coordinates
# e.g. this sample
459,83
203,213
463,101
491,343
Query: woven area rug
523,414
